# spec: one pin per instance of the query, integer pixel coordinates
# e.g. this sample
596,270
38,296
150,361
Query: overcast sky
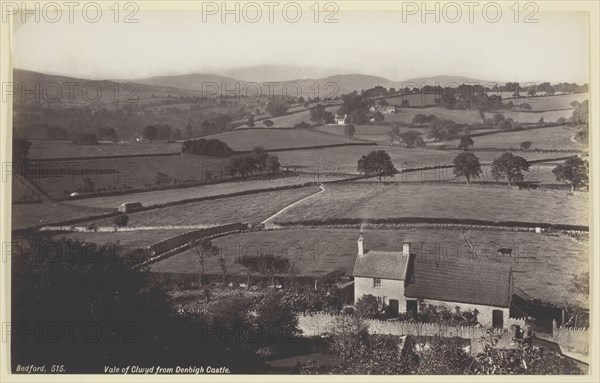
555,49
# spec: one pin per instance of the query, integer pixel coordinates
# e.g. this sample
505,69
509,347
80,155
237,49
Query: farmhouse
340,120
390,109
401,280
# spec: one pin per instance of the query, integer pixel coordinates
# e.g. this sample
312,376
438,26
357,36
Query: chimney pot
361,249
406,249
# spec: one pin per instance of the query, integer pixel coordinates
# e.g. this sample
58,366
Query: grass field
419,99
172,195
134,173
245,140
130,240
46,213
528,117
551,102
373,200
374,133
559,137
66,149
543,265
344,159
458,116
290,120
252,208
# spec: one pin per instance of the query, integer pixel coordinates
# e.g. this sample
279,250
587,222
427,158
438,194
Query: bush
120,220
85,139
206,147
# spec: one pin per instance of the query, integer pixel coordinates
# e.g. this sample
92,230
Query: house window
377,283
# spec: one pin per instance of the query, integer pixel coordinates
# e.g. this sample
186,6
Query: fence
571,339
317,324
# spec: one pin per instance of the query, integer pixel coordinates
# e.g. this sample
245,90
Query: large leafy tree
509,167
377,163
574,171
467,165
465,142
412,139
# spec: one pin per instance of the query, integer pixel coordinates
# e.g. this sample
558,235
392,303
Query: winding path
293,204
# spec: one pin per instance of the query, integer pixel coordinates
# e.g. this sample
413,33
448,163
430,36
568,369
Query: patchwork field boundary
403,222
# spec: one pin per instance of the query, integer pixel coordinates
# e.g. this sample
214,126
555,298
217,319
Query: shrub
120,220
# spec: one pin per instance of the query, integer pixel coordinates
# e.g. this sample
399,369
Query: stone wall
572,339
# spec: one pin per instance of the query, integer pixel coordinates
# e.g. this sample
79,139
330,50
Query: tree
268,123
525,145
358,117
367,307
250,121
467,165
277,107
150,132
465,142
412,139
378,117
349,131
203,248
497,118
120,220
377,163
580,114
394,134
405,103
574,171
85,139
189,131
266,264
510,167
223,267
541,121
162,179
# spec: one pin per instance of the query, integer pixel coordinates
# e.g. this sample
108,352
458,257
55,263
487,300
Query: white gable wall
390,289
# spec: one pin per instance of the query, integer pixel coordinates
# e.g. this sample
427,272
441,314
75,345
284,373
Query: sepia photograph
298,189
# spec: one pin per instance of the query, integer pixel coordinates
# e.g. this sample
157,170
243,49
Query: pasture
561,101
419,99
124,173
441,200
130,240
543,264
158,197
246,140
532,117
47,213
45,149
374,133
459,116
253,208
343,160
559,137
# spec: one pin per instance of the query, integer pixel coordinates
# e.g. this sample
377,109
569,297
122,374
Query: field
344,159
172,195
551,102
46,213
252,208
130,173
246,140
130,240
458,116
20,191
543,264
66,149
374,133
419,99
529,117
372,200
559,137
289,120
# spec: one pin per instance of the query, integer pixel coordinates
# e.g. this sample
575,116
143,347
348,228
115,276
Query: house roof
481,282
381,264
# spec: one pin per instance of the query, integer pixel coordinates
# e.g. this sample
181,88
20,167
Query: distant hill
451,81
72,89
196,82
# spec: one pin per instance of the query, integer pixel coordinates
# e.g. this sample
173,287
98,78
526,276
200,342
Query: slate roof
381,264
481,282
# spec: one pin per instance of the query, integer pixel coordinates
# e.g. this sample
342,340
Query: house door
411,306
394,306
497,318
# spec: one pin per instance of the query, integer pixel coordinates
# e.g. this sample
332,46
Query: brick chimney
361,247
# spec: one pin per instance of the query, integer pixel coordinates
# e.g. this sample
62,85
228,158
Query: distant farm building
340,120
129,207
